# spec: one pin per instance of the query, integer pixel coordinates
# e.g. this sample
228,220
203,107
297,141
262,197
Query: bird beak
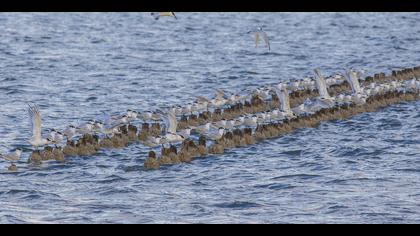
174,16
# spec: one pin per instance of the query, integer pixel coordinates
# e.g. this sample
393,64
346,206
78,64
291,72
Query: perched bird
202,128
157,15
217,135
69,132
86,128
251,120
131,115
171,127
13,156
260,33
154,141
56,136
186,133
218,101
35,118
150,116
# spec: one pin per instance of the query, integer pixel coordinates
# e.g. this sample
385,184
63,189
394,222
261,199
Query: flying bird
157,15
35,119
261,34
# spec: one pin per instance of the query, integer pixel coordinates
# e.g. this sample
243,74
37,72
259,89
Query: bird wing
355,81
35,119
257,38
321,85
172,122
283,95
351,78
265,37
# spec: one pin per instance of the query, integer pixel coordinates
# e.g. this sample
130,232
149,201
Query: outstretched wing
35,120
257,38
321,85
352,79
172,122
265,37
283,96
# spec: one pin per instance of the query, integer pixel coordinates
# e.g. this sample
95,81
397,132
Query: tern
217,135
157,15
202,128
70,132
35,118
13,156
171,126
261,34
56,137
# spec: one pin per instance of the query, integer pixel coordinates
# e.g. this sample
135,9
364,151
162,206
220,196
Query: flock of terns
107,126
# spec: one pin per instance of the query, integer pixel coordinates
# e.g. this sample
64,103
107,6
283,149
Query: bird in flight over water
157,15
261,34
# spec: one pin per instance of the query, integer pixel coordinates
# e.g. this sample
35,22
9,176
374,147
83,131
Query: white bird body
218,102
240,121
202,128
202,103
293,85
221,123
216,136
154,141
86,128
340,98
132,115
178,110
70,132
186,133
230,124
251,121
173,138
56,136
13,156
187,109
150,116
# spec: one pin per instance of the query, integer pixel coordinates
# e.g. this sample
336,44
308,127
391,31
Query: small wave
299,176
238,205
275,186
